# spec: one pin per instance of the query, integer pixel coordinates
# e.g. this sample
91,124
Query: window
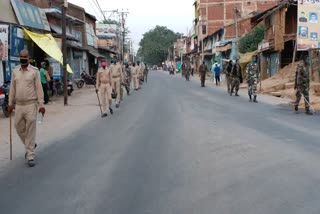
204,29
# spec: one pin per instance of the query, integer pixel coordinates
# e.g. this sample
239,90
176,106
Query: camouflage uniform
252,77
187,68
302,85
228,69
203,69
236,79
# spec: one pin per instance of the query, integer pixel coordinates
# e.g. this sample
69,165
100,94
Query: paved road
176,148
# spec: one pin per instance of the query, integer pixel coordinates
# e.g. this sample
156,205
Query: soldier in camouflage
228,69
302,83
252,77
236,78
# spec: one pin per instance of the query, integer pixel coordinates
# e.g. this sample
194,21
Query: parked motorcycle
58,87
86,79
4,101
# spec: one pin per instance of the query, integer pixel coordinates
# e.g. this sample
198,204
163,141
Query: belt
116,76
26,102
105,82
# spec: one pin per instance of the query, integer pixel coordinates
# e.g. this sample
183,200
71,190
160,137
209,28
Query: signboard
308,29
17,43
90,35
106,30
4,34
31,16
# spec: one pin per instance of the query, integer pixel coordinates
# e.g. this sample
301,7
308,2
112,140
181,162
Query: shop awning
48,44
58,30
95,53
224,48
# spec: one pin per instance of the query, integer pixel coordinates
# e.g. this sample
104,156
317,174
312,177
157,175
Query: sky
144,15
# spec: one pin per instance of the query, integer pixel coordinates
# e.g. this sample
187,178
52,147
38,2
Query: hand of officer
10,109
42,110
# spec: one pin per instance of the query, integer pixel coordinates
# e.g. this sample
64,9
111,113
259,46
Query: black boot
111,110
250,98
296,108
255,99
308,112
237,95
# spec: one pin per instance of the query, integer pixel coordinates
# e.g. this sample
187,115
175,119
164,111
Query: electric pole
236,12
123,15
64,51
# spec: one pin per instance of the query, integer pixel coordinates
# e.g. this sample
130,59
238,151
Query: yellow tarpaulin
48,44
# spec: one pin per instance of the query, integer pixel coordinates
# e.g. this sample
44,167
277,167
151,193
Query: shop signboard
308,29
29,15
4,34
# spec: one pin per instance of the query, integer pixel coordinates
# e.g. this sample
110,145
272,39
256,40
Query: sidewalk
59,122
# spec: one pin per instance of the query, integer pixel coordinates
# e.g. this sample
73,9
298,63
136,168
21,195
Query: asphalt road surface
176,148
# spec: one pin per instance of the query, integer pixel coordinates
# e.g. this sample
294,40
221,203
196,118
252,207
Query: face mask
254,60
308,62
24,61
113,60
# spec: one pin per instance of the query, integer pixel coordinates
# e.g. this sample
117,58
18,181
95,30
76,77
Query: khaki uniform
104,85
141,70
117,78
203,69
27,94
135,76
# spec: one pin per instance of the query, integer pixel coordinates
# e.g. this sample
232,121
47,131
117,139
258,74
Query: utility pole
64,51
236,12
123,15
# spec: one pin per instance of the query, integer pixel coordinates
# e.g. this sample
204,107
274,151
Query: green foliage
250,41
155,44
109,21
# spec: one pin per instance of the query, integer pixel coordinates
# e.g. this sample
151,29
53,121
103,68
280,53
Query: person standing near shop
44,76
49,69
117,78
26,92
203,69
104,86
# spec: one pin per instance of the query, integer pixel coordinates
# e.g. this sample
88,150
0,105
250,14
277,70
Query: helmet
114,95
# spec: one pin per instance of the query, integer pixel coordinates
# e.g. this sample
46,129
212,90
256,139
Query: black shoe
117,105
111,110
309,113
31,163
237,95
255,99
104,115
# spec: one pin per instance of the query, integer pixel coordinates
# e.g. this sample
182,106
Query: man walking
202,72
216,72
252,77
228,70
26,92
104,86
135,72
187,69
236,78
146,71
302,82
117,78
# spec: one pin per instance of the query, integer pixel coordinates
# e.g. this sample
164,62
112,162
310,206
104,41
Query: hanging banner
308,29
4,34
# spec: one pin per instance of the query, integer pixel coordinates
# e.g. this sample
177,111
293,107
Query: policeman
252,77
302,83
138,72
128,77
146,71
135,79
236,77
117,78
26,92
104,86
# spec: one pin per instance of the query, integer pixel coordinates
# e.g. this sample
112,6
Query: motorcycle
58,87
4,102
86,79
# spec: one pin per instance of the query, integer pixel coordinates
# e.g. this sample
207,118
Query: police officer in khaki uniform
104,86
26,92
117,78
140,73
135,77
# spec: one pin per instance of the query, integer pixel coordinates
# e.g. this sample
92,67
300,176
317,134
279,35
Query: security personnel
236,78
104,86
228,70
140,72
203,69
135,77
26,92
252,77
302,84
117,78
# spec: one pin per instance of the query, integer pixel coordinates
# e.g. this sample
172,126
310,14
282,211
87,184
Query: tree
155,44
250,41
109,21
